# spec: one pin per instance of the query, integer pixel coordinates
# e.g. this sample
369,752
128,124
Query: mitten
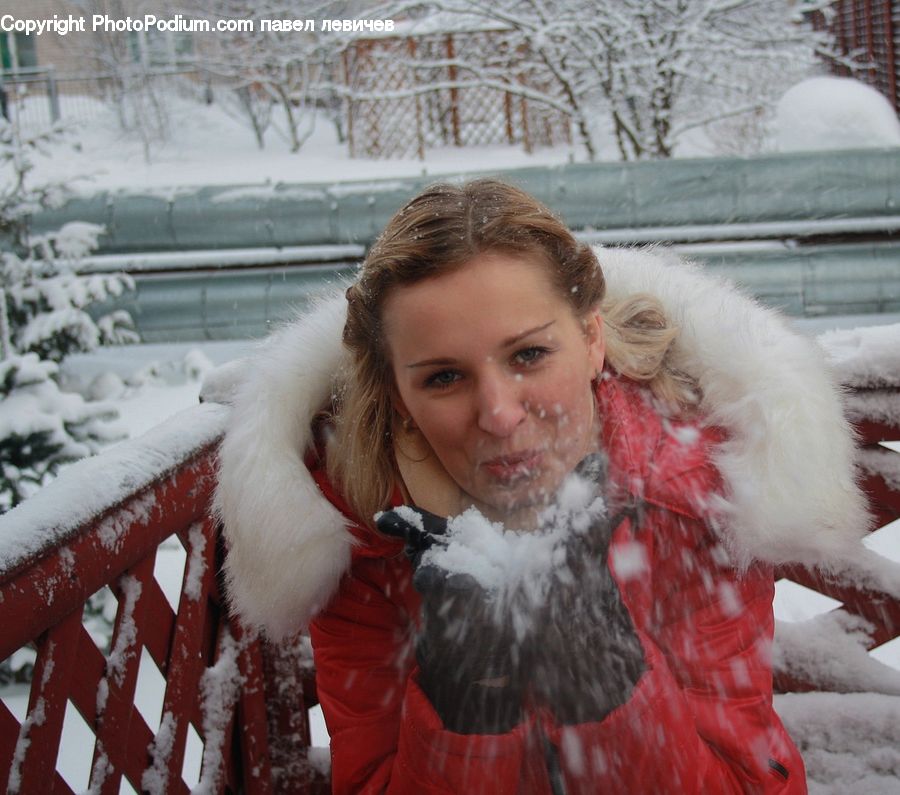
469,666
588,657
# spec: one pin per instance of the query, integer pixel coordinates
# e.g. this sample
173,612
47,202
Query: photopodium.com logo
63,25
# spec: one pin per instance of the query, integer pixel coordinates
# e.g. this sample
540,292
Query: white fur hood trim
788,465
288,546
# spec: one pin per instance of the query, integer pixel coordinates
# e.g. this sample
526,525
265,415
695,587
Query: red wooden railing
247,701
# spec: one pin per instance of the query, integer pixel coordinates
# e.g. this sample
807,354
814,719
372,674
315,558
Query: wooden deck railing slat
186,655
9,736
157,634
91,668
252,718
120,681
53,671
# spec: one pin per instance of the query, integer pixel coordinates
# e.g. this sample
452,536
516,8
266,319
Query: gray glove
588,656
469,664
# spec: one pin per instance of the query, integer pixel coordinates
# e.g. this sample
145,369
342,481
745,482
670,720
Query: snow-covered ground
208,145
216,148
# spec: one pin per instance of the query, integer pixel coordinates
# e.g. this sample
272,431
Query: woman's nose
500,406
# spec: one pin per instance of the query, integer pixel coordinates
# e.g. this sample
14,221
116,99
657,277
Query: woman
486,356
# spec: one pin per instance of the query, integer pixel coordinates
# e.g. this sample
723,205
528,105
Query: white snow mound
823,113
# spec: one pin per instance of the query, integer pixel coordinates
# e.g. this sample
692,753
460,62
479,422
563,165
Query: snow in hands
516,568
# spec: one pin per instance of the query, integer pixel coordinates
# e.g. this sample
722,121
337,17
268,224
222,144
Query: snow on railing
829,652
104,520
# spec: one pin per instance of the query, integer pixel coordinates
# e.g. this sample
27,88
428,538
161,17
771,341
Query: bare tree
265,68
123,64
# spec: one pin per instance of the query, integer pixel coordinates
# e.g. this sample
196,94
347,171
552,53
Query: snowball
824,113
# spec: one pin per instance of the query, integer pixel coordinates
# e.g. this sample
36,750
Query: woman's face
495,370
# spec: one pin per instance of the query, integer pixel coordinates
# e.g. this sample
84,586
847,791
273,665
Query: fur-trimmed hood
787,466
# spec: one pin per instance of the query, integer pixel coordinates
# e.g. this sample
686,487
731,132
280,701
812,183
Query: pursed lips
513,466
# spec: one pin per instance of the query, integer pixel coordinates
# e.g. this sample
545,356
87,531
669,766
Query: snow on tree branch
657,69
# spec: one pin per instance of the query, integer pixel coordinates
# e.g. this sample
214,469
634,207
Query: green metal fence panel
219,305
855,278
829,185
848,278
844,205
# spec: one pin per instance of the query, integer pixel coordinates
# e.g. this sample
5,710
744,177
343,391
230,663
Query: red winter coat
700,719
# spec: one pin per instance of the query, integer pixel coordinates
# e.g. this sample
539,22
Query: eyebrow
505,344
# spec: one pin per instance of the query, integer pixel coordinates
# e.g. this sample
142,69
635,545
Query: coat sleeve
385,735
701,718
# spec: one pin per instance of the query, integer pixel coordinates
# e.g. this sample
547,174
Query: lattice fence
868,31
410,94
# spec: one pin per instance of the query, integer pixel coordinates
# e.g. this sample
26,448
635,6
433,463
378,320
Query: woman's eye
531,355
442,379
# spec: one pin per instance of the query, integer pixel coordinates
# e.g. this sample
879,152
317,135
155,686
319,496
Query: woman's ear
596,339
398,404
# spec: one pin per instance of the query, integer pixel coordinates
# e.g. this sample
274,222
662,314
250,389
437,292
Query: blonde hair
439,230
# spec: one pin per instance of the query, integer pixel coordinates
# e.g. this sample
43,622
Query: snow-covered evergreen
46,297
42,428
44,302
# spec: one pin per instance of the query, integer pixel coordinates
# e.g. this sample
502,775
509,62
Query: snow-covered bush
42,428
43,318
45,295
47,298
